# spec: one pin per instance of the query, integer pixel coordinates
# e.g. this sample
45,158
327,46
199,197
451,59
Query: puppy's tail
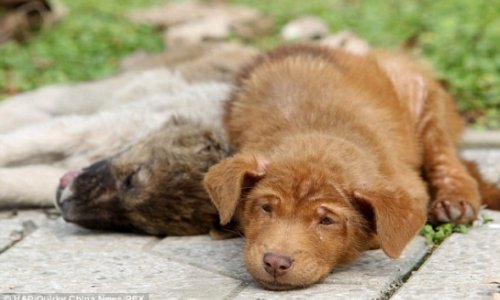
490,192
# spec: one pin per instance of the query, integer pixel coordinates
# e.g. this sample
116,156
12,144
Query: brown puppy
331,149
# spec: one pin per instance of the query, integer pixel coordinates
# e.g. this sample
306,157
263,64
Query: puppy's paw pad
458,212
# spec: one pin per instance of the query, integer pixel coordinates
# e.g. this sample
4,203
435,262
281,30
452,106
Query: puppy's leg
76,139
455,192
30,186
42,143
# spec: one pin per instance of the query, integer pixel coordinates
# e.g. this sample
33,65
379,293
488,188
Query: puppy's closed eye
128,182
134,178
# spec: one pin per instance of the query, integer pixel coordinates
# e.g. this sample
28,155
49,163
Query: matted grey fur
54,129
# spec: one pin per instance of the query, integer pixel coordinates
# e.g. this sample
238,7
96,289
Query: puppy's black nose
277,265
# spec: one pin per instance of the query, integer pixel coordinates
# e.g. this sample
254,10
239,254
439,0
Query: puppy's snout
63,192
277,265
67,178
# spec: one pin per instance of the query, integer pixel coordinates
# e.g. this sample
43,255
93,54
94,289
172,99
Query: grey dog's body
39,143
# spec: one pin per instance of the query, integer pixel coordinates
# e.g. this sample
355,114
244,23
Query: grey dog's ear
226,180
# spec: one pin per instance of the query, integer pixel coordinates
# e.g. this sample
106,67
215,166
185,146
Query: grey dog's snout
63,189
67,178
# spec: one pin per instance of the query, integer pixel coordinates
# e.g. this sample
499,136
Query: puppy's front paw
458,212
457,198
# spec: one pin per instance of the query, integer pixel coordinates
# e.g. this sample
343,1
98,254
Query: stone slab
488,161
222,256
62,258
460,268
15,225
371,276
481,139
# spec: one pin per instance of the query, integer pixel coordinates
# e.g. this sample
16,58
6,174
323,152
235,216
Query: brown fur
490,193
153,187
331,148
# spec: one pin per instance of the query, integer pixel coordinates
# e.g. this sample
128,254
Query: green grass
85,45
459,37
435,235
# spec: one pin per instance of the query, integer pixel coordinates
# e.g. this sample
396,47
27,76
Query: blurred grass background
86,44
461,38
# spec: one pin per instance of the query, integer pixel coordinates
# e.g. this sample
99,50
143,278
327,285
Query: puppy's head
153,187
301,217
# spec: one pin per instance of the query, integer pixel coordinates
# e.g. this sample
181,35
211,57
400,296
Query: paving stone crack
396,285
151,244
236,291
18,235
189,263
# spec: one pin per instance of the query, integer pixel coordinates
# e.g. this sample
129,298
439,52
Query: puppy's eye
267,208
128,183
326,221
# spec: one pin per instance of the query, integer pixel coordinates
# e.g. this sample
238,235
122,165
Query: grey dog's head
153,187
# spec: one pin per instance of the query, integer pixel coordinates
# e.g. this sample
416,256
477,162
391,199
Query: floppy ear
395,218
226,180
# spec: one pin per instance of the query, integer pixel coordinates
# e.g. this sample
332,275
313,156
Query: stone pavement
43,254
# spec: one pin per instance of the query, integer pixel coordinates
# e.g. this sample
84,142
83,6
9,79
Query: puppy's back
303,88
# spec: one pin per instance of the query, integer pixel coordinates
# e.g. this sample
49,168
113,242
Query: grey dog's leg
29,186
38,144
79,138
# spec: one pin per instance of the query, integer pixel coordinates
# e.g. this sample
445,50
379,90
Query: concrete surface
63,258
488,160
58,257
40,254
481,139
463,267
